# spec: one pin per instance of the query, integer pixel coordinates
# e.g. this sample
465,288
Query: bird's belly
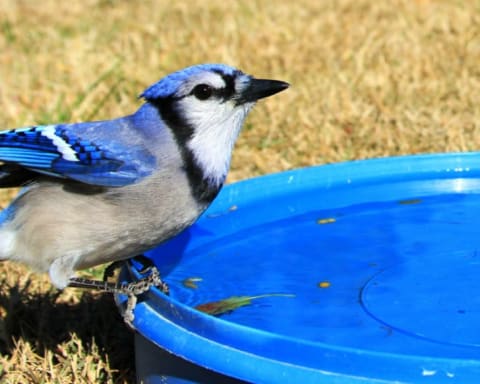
134,241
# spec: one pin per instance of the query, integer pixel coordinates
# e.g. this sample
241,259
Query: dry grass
369,78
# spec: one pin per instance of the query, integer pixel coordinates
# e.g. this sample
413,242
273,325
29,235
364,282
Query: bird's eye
202,91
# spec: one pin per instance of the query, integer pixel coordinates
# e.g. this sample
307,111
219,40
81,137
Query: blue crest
170,84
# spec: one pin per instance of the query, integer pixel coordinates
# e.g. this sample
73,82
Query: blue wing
97,153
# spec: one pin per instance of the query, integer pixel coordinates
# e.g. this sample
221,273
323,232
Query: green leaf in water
218,308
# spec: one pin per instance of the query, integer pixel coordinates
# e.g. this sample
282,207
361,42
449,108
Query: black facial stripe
174,119
229,90
202,190
222,94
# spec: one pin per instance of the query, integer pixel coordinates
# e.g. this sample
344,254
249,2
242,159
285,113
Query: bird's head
205,107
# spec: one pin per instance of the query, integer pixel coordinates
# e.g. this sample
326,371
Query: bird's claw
135,288
132,290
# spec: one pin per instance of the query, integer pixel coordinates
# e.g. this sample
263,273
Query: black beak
260,88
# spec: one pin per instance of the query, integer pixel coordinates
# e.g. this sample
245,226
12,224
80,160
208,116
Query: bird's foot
132,290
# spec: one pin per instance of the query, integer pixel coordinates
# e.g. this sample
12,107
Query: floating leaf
324,284
191,282
217,308
410,201
328,220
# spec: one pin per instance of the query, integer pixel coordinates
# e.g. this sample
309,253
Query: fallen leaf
220,307
410,201
328,220
324,284
191,282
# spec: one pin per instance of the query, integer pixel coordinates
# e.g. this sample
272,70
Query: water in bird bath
398,270
358,270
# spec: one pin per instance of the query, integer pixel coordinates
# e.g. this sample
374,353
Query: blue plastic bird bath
366,271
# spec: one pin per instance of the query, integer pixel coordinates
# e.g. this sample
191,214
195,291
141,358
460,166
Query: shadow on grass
46,320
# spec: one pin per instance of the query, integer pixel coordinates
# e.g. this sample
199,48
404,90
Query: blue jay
105,191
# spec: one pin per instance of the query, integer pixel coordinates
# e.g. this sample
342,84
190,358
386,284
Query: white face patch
216,123
217,126
62,146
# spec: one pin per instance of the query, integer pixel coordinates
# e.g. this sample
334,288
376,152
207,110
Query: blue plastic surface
370,270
